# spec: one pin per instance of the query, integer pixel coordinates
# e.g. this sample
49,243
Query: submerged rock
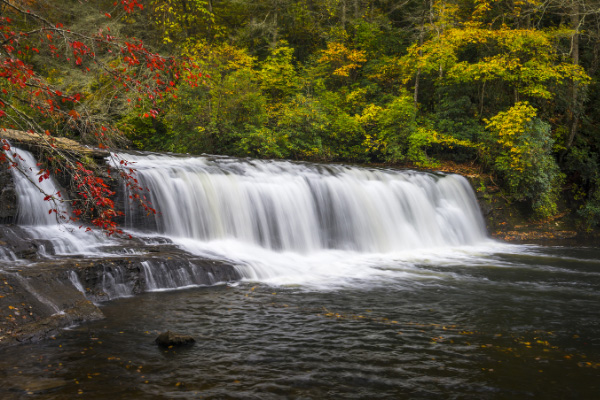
169,338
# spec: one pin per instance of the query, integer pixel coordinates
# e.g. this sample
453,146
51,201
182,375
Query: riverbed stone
169,338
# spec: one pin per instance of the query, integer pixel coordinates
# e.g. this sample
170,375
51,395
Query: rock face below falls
39,298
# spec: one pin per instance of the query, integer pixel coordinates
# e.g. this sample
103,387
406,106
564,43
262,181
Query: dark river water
511,324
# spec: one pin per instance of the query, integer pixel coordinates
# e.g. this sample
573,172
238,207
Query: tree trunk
481,100
575,21
418,77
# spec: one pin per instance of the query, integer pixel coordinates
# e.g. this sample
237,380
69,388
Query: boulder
168,338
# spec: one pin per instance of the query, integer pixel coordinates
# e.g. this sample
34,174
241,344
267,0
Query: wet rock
17,242
8,196
169,338
35,304
40,298
81,311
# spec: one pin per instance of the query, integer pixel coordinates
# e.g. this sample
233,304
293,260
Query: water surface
516,322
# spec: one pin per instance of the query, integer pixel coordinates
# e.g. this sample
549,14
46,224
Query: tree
520,146
51,102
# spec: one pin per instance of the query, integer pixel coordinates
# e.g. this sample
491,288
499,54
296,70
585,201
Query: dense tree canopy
509,85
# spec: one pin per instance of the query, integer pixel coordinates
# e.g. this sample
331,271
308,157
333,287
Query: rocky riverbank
39,296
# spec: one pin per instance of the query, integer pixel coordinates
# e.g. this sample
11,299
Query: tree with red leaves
35,99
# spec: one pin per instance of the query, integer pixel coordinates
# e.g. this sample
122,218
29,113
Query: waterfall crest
306,208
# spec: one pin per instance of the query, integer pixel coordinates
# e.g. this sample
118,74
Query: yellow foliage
343,59
508,125
524,58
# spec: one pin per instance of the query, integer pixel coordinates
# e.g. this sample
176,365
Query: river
357,284
517,322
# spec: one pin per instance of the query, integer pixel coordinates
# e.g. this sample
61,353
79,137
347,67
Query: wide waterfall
276,221
306,208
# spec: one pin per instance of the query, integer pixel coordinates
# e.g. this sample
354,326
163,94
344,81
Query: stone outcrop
38,298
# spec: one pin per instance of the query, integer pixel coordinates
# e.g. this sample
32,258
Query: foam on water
331,269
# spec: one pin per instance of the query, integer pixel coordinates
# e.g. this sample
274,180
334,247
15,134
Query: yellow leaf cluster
524,58
510,124
343,59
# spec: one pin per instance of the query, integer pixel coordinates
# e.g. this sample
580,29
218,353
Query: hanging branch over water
33,101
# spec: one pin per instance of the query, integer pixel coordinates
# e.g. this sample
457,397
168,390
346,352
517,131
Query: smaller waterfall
7,255
76,282
160,276
32,209
35,215
125,280
115,283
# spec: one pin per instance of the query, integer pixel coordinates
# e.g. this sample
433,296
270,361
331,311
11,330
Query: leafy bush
520,147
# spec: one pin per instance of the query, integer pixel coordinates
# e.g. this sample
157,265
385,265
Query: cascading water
307,208
277,221
35,217
53,239
278,218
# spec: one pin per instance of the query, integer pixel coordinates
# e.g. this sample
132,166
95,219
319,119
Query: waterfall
35,217
276,221
306,208
32,208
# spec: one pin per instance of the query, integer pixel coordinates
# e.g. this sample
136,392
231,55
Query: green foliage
278,77
493,83
392,134
263,143
590,211
520,149
304,122
584,163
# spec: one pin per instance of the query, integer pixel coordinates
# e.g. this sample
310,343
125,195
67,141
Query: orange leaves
44,174
129,5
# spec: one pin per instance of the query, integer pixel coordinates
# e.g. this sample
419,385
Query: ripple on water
481,331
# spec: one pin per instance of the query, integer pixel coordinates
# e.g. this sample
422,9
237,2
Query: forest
507,86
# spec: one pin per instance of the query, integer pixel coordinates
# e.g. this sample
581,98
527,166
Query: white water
279,222
159,276
297,223
34,213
